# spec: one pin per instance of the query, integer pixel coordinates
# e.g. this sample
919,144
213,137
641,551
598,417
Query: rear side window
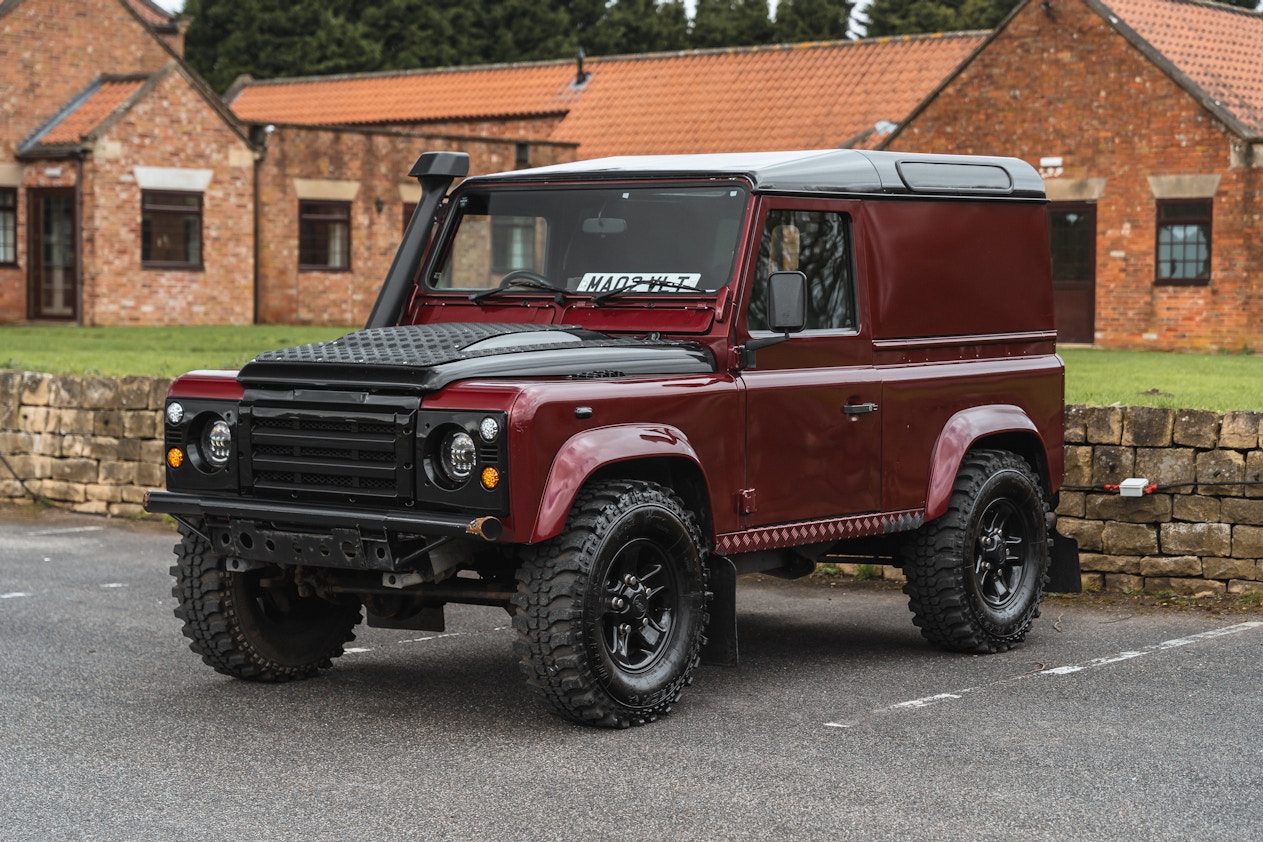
818,244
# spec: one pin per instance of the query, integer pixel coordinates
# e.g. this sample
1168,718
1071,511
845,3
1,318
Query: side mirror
786,312
787,302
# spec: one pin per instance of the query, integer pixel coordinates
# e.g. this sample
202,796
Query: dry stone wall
1201,528
94,444
91,444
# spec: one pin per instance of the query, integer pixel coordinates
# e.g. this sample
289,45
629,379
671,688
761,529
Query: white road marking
109,585
1095,662
70,530
14,595
1119,657
927,701
1148,650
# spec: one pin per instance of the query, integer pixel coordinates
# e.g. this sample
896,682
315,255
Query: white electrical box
1133,487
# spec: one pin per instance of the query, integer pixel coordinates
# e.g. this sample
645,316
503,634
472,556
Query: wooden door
54,270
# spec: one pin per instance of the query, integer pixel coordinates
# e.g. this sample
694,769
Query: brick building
333,197
1146,118
333,203
126,186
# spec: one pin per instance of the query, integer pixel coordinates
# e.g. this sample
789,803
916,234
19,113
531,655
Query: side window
1183,242
324,236
170,229
817,243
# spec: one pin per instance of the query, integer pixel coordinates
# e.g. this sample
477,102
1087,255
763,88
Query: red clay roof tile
1219,48
78,123
796,96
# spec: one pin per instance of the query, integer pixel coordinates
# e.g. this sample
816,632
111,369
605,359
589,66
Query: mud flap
720,648
1064,575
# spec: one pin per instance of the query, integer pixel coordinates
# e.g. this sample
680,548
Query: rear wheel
610,613
253,625
976,575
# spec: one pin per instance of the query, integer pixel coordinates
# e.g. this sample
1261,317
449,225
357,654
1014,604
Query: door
54,270
813,429
1072,235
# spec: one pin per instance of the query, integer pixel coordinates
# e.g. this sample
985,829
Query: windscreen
659,239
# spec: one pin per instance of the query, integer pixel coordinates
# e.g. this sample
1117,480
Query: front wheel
976,575
610,613
253,625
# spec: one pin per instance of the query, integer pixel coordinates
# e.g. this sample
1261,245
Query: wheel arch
999,427
656,453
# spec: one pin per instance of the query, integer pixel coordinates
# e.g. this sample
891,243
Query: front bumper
304,534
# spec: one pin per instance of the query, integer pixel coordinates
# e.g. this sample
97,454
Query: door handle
859,408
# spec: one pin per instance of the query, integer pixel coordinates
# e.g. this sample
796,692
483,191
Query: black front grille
294,452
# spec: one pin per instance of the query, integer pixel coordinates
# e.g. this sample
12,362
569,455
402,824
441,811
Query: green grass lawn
1153,378
157,351
1129,378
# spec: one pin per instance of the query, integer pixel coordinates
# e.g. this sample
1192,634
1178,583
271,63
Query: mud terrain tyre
246,630
976,575
610,613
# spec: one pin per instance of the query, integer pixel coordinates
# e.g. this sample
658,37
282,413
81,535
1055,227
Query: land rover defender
595,394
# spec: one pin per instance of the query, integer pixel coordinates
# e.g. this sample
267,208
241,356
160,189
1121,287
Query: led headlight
217,443
175,412
458,456
489,429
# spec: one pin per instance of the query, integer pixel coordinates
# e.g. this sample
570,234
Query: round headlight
457,456
217,443
489,428
175,412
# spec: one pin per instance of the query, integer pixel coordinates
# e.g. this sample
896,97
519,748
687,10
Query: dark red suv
594,394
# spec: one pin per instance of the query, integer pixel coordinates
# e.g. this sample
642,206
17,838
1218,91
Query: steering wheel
526,278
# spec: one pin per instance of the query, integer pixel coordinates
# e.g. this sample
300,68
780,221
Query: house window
170,229
1072,241
8,225
1183,241
324,236
512,243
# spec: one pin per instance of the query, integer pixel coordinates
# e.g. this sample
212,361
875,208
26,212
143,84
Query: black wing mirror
787,302
786,312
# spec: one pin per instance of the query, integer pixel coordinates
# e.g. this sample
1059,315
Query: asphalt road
840,723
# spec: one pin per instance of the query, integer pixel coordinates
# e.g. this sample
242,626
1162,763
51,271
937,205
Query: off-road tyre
245,630
976,575
625,543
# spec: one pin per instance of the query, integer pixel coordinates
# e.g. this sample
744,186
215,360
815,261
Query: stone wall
91,444
94,444
1199,531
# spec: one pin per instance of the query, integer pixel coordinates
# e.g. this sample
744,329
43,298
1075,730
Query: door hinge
746,503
